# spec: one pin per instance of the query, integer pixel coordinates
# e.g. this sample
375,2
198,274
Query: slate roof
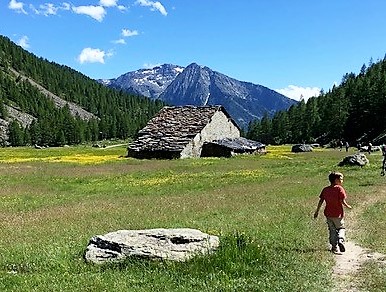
174,127
239,144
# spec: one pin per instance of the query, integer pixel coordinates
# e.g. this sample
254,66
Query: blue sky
295,47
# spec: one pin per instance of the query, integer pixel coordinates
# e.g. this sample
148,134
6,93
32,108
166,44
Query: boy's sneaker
335,249
341,245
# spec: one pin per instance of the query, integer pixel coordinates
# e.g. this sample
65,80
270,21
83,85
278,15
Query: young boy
335,197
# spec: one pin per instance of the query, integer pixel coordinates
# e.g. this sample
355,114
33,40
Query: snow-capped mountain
199,85
146,82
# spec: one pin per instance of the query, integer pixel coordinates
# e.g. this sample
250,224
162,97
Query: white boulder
178,244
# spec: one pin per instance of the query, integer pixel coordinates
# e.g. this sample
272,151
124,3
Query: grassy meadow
52,201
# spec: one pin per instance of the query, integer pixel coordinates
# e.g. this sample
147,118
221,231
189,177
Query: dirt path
349,262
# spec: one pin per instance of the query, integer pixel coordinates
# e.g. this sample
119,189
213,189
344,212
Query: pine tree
15,134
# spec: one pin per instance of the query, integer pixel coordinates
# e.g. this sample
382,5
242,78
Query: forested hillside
109,113
354,111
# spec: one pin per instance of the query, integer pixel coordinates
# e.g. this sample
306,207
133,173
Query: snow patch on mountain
105,82
146,82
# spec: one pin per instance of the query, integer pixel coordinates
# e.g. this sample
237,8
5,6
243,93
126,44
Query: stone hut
181,131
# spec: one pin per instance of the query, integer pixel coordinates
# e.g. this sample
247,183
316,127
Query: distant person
347,146
340,145
359,145
335,197
369,147
383,148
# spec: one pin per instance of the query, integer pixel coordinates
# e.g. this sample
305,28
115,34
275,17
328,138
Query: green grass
52,201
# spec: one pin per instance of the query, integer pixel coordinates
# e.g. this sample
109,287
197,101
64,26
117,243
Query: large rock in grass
171,244
301,148
358,159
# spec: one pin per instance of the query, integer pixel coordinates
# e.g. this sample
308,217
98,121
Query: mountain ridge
147,82
199,85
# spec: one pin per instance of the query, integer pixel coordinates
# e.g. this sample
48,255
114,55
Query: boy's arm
318,207
346,204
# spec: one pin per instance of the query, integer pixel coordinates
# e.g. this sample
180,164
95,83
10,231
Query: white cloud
17,6
108,3
89,55
23,42
153,6
129,33
125,33
112,3
96,12
48,9
150,65
120,42
296,92
34,10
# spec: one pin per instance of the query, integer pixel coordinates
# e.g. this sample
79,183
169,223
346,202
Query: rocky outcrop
178,244
3,131
24,119
13,113
75,109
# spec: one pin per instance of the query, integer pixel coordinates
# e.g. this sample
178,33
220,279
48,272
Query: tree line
119,115
353,111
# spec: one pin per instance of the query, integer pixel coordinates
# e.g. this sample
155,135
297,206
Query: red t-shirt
333,195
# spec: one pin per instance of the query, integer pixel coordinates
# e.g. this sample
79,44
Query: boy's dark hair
334,175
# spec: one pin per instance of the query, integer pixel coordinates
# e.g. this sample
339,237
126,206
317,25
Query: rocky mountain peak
150,82
199,85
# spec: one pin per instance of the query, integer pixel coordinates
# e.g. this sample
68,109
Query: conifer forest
116,115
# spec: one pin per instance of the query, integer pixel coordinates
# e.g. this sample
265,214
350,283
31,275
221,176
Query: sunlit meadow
54,200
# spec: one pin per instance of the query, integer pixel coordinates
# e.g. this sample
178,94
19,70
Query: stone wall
219,127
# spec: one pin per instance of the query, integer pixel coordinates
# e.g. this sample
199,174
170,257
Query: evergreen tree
35,133
253,130
15,134
26,137
280,128
265,134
